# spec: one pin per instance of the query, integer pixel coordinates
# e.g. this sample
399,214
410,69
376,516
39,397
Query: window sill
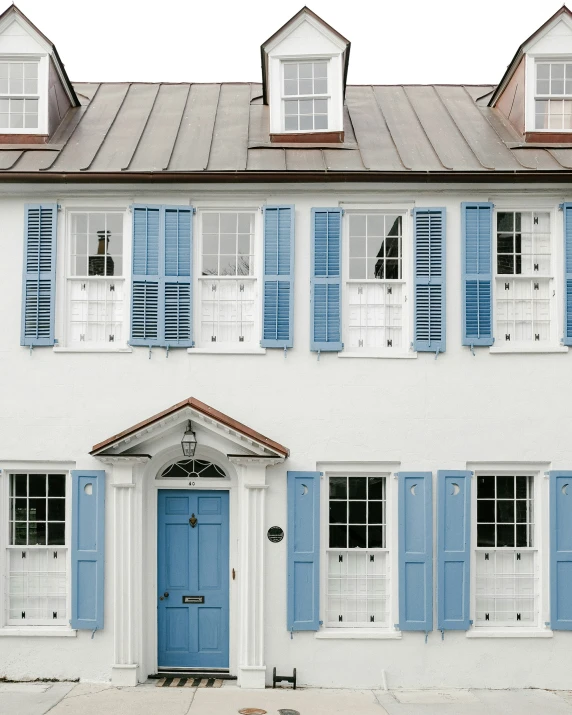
379,355
366,634
38,632
509,633
93,350
226,351
528,349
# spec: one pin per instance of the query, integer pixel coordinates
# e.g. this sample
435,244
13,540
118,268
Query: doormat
252,711
289,712
189,683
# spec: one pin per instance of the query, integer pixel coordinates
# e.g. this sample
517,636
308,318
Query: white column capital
125,468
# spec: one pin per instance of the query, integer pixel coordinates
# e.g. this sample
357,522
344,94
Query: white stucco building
353,305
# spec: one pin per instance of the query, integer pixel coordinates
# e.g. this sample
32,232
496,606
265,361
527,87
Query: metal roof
138,131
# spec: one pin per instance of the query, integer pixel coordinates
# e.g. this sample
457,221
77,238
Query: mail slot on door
193,599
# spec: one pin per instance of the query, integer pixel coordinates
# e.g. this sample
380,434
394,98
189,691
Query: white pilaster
127,568
251,497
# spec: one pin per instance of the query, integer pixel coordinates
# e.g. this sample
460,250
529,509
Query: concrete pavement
147,699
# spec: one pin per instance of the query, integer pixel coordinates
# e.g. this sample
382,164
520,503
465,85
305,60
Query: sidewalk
147,699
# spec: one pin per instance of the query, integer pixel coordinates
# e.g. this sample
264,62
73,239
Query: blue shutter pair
416,550
88,549
278,290
39,275
162,306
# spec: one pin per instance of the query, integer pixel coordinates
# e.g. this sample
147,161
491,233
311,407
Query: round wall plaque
275,534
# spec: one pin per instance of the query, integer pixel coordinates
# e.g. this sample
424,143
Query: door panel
193,562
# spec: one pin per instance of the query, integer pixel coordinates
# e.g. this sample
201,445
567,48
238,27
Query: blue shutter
567,211
453,550
326,282
145,318
278,292
415,551
161,311
88,549
39,274
430,325
477,229
178,317
303,551
561,551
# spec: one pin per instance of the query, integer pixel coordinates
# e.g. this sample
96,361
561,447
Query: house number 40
192,484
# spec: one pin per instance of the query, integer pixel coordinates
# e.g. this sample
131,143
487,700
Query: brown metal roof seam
435,87
404,88
109,128
46,168
372,87
166,167
125,168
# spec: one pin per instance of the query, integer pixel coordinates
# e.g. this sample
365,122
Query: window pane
306,123
357,512
357,487
37,533
56,534
210,223
321,106
320,69
338,512
290,107
305,86
305,70
505,512
338,487
338,537
17,70
56,509
290,87
505,487
375,538
31,121
356,537
486,510
358,268
290,71
320,86
375,513
37,509
486,488
542,71
291,124
376,487
31,70
37,485
505,535
56,485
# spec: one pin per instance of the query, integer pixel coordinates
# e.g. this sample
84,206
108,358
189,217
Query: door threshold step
199,674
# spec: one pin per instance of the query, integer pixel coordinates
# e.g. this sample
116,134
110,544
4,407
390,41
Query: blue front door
193,585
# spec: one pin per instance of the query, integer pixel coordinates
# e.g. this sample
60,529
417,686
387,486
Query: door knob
166,594
193,521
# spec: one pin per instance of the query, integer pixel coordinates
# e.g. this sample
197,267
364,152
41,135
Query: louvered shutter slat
161,313
39,279
567,212
326,280
477,222
278,291
429,279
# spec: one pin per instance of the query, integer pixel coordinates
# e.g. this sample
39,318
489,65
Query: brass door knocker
193,521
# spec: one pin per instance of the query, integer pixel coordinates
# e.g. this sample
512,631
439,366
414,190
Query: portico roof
193,407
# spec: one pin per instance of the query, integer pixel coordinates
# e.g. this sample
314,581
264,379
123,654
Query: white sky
397,41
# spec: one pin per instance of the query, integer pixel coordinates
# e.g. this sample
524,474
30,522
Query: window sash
239,312
99,314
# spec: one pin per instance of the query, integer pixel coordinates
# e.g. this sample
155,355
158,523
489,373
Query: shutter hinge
426,636
547,624
472,349
412,212
442,634
321,623
396,626
193,210
291,634
56,341
285,352
167,352
150,348
470,622
561,207
437,353
343,212
93,632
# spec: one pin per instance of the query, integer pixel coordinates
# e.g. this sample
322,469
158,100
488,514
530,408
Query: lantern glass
189,443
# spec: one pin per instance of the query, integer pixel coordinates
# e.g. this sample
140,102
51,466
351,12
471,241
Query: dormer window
19,97
305,96
553,96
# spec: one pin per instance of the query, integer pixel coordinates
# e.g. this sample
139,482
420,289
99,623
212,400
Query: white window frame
361,469
406,280
556,284
63,276
43,72
257,275
8,468
285,97
541,540
531,60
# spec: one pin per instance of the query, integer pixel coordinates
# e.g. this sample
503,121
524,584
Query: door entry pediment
200,414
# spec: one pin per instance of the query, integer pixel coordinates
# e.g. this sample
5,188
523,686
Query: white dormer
35,92
304,67
535,93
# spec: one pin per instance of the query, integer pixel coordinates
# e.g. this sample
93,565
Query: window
37,553
19,96
305,96
95,284
357,593
507,584
228,291
193,469
553,96
523,278
375,285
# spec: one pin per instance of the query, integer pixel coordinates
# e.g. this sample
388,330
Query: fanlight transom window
193,469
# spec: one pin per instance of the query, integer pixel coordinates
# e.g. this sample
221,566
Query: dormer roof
304,14
536,35
14,12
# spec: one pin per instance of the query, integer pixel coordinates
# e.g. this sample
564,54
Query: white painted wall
422,414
